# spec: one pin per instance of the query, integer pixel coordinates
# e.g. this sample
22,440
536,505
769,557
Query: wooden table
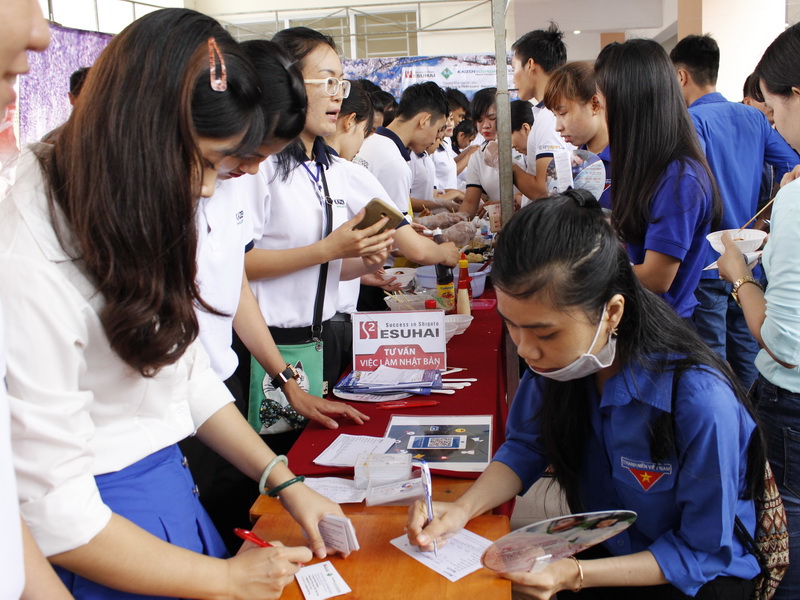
379,571
445,489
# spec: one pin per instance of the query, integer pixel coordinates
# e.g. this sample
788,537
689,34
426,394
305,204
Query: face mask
587,363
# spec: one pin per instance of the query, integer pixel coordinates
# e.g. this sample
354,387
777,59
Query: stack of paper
338,533
388,380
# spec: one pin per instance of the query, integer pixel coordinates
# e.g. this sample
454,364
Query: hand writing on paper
449,519
260,573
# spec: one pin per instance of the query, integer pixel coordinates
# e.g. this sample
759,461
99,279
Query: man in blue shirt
737,140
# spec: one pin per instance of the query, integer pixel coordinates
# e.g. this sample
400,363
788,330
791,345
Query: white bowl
415,301
461,322
402,275
450,330
746,240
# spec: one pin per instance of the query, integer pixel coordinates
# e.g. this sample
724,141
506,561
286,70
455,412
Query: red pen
405,404
249,536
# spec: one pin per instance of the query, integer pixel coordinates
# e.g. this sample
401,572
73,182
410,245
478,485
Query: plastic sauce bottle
463,274
445,289
463,302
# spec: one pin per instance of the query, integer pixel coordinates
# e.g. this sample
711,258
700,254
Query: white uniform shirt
481,175
77,409
13,580
224,234
368,187
543,139
446,171
423,173
289,214
387,159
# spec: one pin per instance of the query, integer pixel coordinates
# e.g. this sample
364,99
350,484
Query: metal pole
506,181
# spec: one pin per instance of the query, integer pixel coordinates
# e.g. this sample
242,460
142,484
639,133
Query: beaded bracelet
580,575
262,484
277,490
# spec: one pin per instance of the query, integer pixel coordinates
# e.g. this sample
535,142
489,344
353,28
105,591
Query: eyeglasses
332,85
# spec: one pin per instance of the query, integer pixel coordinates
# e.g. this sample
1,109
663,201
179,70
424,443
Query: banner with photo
466,72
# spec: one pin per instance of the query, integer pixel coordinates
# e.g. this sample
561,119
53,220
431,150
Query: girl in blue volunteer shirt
664,199
773,316
630,409
105,374
571,94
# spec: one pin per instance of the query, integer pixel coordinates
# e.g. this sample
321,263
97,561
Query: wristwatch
284,376
739,283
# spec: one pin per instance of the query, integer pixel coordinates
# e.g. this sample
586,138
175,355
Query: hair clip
217,72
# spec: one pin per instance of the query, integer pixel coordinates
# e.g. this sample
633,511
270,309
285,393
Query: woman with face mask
630,409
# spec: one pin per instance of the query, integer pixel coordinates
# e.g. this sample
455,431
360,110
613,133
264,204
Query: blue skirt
157,494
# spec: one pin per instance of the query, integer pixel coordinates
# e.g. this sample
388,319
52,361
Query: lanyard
322,194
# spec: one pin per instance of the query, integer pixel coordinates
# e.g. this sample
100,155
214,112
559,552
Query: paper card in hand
338,533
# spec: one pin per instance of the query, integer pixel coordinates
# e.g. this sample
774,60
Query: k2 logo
369,330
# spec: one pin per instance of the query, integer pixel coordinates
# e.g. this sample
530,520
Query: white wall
743,29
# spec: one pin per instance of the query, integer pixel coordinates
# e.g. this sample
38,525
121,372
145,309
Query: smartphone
376,209
437,442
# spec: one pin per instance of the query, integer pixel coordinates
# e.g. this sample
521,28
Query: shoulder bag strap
316,325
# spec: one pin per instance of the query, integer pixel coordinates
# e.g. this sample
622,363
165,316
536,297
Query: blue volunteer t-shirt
737,140
686,502
680,219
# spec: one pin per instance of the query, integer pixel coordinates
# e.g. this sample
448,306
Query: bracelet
580,575
262,483
277,490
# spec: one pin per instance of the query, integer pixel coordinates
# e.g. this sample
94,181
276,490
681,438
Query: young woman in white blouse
104,371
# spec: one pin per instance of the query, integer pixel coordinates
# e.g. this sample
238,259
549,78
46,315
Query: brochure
533,547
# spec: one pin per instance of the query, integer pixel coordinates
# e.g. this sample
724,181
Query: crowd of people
181,259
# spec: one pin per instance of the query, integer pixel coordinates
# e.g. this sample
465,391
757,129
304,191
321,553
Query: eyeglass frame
344,84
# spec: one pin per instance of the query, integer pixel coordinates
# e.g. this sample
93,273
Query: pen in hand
249,536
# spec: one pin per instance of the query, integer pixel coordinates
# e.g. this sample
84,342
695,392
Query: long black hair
648,129
298,43
359,103
284,99
777,70
145,104
564,252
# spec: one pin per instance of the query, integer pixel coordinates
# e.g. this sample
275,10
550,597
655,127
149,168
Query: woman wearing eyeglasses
290,218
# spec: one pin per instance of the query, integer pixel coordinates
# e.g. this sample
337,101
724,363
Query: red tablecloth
478,350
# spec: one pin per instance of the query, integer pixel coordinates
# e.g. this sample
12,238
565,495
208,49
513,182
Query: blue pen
427,487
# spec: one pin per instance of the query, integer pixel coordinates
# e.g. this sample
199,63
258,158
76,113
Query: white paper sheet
321,581
458,558
345,449
336,489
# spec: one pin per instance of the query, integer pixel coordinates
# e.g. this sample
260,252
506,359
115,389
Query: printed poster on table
399,339
453,443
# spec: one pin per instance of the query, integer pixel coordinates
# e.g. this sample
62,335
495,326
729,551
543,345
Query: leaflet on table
453,443
336,489
533,547
456,559
400,339
345,449
389,380
321,581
